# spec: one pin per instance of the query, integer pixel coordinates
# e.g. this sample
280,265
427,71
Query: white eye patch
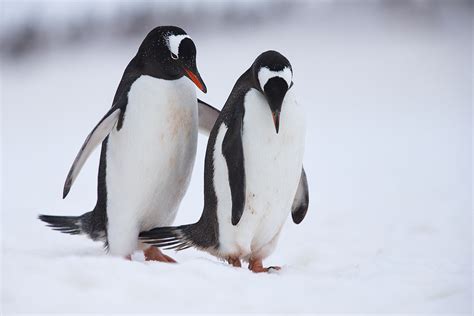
174,41
266,74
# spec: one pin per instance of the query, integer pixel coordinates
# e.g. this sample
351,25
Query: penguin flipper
98,134
301,200
233,152
207,115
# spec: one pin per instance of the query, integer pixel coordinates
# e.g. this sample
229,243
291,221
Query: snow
388,159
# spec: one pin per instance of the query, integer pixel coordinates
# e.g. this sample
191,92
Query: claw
273,269
256,266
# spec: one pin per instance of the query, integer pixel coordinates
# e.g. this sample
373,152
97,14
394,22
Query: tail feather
177,238
85,224
64,224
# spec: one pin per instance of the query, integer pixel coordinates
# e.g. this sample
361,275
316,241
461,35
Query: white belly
150,159
273,165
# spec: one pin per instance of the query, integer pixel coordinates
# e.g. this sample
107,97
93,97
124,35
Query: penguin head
272,76
167,52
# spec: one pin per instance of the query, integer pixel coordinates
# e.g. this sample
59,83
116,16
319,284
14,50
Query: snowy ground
389,229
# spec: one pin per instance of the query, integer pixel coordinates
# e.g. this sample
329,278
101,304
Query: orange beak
196,79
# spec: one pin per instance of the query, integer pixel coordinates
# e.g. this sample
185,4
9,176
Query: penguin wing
98,134
233,152
207,117
301,200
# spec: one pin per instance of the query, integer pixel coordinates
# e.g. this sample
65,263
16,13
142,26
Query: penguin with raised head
149,140
253,174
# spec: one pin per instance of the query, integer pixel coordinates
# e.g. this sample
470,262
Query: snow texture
388,159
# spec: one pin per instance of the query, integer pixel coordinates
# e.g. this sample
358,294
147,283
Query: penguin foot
257,266
235,262
129,257
155,254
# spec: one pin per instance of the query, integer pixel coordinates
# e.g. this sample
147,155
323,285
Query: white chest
273,165
150,159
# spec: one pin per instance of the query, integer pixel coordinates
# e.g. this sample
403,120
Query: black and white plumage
149,140
253,170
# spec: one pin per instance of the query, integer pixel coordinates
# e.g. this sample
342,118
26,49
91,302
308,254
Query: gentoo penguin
253,170
149,140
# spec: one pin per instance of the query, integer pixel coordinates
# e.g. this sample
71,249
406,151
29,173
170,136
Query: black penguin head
167,52
272,76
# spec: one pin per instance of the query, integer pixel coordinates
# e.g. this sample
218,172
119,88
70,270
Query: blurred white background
387,86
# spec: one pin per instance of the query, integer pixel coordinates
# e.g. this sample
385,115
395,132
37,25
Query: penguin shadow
193,261
225,266
200,264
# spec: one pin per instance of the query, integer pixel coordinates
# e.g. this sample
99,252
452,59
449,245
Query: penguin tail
64,224
76,225
177,238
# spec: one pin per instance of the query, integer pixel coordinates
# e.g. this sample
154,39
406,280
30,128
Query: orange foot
257,266
235,262
154,254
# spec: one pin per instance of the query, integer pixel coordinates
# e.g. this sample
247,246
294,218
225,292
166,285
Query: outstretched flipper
207,117
98,134
301,200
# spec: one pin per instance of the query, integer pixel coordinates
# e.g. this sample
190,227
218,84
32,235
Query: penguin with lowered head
254,172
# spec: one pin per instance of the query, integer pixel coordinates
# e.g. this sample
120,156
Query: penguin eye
173,56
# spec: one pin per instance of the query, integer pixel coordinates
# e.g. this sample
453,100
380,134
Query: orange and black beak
193,74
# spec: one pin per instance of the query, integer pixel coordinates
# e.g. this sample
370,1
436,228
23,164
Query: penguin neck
140,65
